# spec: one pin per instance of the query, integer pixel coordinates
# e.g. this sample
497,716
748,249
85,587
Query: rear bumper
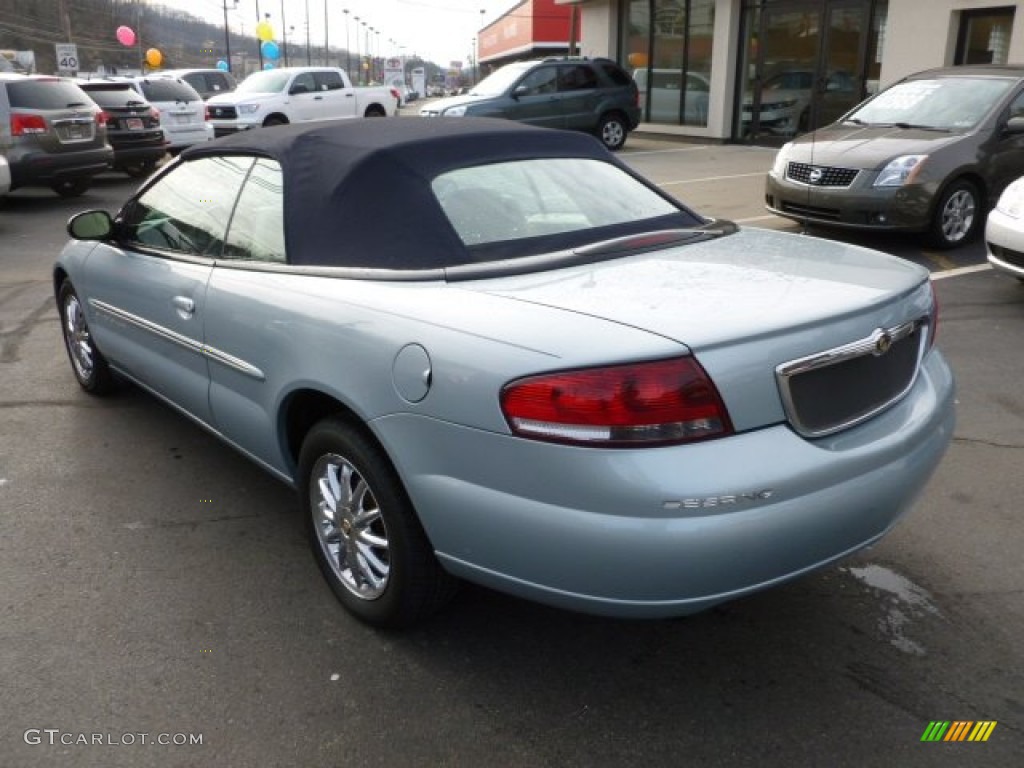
178,138
43,169
667,531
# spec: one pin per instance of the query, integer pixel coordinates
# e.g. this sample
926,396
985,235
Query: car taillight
206,113
102,118
394,92
154,113
640,404
23,125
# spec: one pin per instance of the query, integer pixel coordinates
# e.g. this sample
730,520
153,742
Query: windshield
271,81
532,198
500,81
949,103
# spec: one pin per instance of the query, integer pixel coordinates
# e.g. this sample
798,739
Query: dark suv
133,126
593,95
52,134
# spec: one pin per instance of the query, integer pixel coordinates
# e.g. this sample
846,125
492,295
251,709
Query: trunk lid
744,304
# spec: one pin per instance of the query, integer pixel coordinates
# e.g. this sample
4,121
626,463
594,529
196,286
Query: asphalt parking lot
153,582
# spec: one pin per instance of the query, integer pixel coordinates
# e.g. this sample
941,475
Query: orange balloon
637,60
154,57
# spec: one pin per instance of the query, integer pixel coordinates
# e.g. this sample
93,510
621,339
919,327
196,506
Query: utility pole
309,54
227,34
65,19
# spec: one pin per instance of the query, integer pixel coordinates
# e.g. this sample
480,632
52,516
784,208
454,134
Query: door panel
147,316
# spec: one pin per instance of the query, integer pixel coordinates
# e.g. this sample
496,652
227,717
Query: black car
593,95
133,126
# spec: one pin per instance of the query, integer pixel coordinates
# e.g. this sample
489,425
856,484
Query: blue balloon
222,65
270,50
268,65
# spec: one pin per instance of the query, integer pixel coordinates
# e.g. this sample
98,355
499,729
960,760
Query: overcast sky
437,30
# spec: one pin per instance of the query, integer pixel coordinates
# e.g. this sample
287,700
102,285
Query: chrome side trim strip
211,353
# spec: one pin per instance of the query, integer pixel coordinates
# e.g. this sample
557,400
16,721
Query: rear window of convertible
532,198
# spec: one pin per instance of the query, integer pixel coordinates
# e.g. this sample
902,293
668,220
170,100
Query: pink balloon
125,35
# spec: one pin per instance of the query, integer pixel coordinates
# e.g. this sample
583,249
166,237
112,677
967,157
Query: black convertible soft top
357,192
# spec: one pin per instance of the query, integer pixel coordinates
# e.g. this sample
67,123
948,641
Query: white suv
182,110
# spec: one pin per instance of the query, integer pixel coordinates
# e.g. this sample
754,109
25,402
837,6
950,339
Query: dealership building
758,70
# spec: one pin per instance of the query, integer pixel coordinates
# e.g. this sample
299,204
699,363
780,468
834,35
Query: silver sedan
485,351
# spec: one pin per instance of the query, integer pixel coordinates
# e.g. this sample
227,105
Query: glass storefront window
668,45
984,36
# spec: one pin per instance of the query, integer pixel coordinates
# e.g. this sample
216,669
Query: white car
1004,232
5,176
182,110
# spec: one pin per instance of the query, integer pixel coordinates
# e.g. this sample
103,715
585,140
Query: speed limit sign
67,57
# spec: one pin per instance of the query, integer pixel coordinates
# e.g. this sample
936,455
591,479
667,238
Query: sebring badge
706,502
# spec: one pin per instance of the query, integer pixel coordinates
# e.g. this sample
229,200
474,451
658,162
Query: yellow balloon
154,57
264,31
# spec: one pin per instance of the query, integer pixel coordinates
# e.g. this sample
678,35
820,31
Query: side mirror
91,225
520,90
1015,125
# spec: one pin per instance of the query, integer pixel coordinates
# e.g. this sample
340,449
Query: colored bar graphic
935,731
958,730
982,730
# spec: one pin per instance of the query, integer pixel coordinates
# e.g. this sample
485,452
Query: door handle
318,98
184,306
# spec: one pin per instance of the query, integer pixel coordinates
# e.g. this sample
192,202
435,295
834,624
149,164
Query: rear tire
375,111
71,187
140,169
612,131
364,531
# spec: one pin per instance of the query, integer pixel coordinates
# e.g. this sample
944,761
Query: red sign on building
531,27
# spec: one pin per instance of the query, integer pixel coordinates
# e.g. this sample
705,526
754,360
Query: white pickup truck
295,95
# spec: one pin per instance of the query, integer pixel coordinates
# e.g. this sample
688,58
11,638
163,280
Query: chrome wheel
77,338
958,216
349,527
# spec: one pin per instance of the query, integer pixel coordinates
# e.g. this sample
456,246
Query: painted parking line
693,148
711,178
942,261
960,271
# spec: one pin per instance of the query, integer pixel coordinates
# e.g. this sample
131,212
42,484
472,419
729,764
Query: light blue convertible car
545,375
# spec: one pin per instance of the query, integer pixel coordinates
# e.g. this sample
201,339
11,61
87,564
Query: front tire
87,363
364,531
957,215
612,131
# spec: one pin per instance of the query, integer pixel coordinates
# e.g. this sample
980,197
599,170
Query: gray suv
593,95
52,134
